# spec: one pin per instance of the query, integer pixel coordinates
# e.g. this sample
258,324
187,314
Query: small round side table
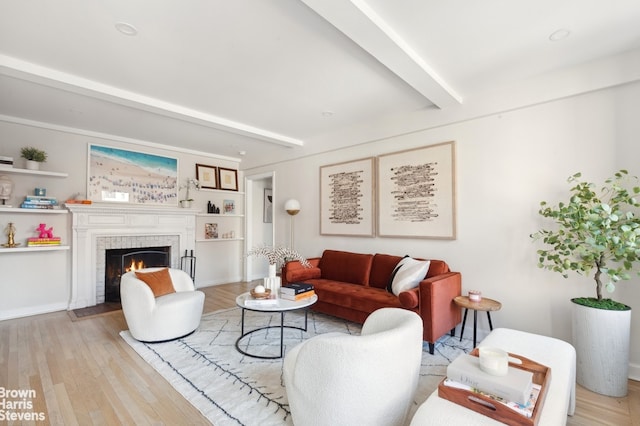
484,304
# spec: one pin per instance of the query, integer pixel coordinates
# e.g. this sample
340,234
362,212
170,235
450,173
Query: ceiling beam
366,28
23,70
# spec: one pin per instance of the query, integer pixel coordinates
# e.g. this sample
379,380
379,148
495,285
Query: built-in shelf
32,172
217,240
219,215
36,211
221,191
32,249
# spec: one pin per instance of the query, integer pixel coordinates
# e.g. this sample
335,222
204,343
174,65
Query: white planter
601,339
185,204
31,165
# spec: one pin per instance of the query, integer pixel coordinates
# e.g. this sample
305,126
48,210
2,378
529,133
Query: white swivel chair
157,319
370,379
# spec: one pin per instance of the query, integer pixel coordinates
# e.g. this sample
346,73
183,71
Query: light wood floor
83,373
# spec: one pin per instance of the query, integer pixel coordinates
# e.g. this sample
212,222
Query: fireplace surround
98,227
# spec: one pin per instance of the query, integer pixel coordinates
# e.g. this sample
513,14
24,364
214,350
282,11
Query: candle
494,361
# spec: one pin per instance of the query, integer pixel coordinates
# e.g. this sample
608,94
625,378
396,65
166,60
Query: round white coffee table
277,305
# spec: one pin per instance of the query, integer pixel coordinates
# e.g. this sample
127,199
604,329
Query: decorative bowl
265,295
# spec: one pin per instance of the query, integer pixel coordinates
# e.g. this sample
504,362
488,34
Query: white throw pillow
408,274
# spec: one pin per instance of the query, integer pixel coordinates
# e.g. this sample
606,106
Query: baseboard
32,310
634,371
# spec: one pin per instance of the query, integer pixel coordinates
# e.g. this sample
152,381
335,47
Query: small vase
32,165
185,204
272,270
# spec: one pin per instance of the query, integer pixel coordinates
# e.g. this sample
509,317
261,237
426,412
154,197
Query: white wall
40,282
506,164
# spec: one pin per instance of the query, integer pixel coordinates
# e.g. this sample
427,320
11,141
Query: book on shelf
27,205
301,296
77,201
525,409
42,240
40,199
515,386
52,243
295,288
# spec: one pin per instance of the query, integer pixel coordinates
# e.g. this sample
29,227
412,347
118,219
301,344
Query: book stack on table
516,390
296,291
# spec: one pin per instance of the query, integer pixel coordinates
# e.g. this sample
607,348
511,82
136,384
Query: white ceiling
270,77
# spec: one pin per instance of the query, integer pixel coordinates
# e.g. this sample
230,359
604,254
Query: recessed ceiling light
560,34
126,29
327,113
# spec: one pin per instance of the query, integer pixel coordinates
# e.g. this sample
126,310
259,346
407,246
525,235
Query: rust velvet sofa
353,285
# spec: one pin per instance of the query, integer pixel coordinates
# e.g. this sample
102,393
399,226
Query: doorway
259,220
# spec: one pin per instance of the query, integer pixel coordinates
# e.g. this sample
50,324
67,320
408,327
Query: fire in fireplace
121,261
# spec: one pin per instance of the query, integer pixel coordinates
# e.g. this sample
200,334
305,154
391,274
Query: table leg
464,321
281,334
306,311
490,325
475,324
242,326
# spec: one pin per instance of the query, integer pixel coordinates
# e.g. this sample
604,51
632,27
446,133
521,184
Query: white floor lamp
293,208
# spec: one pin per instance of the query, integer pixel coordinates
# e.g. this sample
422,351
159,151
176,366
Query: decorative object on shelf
597,231
118,175
229,207
277,256
40,192
267,216
416,193
43,232
6,162
10,231
228,179
36,202
347,198
210,231
207,176
6,189
292,207
33,157
187,200
212,209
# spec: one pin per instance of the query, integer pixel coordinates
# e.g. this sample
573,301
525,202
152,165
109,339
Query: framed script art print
119,175
416,193
347,198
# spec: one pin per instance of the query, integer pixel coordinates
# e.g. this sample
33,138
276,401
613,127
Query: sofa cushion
381,269
408,274
347,267
437,267
353,296
159,281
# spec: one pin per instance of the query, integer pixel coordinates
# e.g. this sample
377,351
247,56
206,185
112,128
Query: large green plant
595,230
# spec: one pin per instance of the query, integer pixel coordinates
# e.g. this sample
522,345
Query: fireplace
120,261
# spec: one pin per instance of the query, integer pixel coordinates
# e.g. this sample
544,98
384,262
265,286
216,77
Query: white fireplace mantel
92,221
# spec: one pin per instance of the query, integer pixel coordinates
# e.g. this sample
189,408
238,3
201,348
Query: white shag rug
229,388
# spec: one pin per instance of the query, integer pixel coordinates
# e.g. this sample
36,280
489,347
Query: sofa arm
439,312
294,271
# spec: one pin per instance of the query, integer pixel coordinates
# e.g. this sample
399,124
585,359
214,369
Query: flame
135,265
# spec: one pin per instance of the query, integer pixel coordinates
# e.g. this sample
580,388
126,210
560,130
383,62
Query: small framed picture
207,176
228,179
228,207
268,206
210,231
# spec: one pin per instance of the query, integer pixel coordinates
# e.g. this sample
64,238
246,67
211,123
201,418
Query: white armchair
370,379
156,319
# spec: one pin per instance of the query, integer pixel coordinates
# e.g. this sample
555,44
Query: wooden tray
490,408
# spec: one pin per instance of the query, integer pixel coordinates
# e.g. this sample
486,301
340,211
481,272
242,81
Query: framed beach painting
123,176
347,198
416,193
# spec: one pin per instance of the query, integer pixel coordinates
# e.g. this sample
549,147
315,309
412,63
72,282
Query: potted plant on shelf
187,200
597,232
33,157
